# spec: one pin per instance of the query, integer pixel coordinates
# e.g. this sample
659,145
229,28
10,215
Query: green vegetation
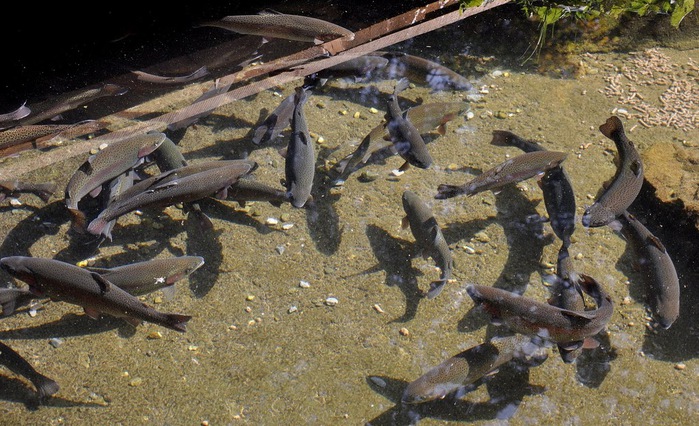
548,12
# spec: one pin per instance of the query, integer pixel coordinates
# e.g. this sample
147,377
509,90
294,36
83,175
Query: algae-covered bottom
320,321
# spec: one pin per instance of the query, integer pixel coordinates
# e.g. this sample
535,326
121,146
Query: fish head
15,266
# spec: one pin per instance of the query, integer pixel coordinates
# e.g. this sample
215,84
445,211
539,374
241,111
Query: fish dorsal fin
636,167
580,315
104,285
653,240
92,313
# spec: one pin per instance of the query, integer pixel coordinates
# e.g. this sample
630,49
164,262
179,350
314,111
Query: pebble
469,250
367,176
280,249
272,221
55,342
378,308
470,115
154,335
14,202
331,301
250,297
304,284
404,332
356,115
680,366
481,237
292,309
373,110
135,382
396,172
287,226
501,114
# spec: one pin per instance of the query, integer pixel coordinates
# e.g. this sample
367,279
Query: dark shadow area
70,325
677,231
44,221
393,257
593,365
17,391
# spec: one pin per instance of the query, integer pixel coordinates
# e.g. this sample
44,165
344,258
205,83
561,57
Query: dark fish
17,364
216,90
13,116
658,268
175,186
12,188
425,117
62,104
513,170
163,79
245,190
276,122
555,185
528,316
405,137
108,163
360,68
300,164
625,185
169,157
279,25
116,187
71,284
435,75
146,277
12,299
566,294
469,366
428,238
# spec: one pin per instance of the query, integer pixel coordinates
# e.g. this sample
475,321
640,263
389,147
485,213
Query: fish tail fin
436,287
448,191
611,126
177,322
501,138
45,386
97,227
401,85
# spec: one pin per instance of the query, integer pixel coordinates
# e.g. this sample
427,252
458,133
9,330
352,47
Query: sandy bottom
262,348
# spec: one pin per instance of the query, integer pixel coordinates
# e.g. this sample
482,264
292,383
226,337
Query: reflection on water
316,315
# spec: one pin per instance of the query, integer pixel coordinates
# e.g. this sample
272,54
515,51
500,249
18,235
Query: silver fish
469,366
58,105
216,90
435,75
626,183
555,185
658,268
428,238
13,188
68,283
108,163
511,171
245,190
276,121
300,164
528,316
17,364
146,277
405,137
174,187
285,26
13,116
164,79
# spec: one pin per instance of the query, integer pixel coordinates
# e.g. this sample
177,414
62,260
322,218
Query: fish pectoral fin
104,285
92,313
571,346
653,240
169,292
590,343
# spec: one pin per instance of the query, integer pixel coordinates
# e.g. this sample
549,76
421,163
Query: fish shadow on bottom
506,389
16,391
26,233
393,256
593,365
69,325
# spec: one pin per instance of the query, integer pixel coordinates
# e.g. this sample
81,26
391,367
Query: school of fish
116,181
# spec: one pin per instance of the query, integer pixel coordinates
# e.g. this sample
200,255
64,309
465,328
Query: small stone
396,172
135,382
292,309
287,226
154,335
250,297
343,112
272,221
373,110
331,301
470,115
14,202
321,105
481,237
320,139
157,300
193,348
55,342
501,114
367,176
280,249
404,332
378,309
680,366
469,250
304,284
82,263
452,167
626,301
357,115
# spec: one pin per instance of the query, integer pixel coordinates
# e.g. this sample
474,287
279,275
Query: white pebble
470,115
396,172
331,301
280,249
304,284
293,309
272,221
287,226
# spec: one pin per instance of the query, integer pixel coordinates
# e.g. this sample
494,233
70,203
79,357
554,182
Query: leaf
681,9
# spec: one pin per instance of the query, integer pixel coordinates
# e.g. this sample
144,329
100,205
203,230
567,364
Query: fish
276,121
657,267
467,367
555,184
61,104
284,26
110,162
13,188
146,277
163,79
62,281
169,157
435,75
12,299
360,68
428,238
405,137
514,170
566,294
377,143
215,90
20,134
13,116
245,190
626,183
172,187
16,363
300,164
528,316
